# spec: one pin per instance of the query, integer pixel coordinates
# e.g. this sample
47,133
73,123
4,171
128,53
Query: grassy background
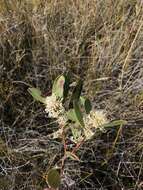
99,41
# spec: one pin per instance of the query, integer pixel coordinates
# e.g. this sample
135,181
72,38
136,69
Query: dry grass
99,41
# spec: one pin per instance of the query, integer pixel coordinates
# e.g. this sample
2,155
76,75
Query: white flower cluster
55,109
94,120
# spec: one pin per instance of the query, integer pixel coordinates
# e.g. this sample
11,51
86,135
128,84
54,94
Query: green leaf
53,178
76,134
86,103
88,106
78,113
66,85
36,93
115,123
82,100
71,115
58,86
76,93
77,90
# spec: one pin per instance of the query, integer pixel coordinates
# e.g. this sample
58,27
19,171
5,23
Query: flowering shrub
75,116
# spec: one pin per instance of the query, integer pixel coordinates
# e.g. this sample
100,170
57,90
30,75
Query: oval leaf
58,86
71,115
66,85
87,106
76,93
86,103
78,113
77,134
77,90
53,178
36,93
82,100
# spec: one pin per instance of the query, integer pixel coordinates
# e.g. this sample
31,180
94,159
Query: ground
100,42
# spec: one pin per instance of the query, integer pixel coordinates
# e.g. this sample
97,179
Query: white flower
94,120
55,109
62,120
